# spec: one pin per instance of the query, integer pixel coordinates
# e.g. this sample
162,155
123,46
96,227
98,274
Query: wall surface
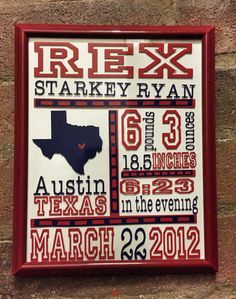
222,14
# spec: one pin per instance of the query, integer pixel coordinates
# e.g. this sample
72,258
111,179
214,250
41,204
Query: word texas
112,60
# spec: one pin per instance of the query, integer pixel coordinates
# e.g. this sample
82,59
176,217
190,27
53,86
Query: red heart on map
81,146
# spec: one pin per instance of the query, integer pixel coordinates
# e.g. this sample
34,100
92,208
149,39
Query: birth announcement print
117,166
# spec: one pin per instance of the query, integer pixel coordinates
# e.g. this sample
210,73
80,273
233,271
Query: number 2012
171,243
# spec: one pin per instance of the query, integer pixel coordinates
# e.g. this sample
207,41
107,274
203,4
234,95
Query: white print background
57,168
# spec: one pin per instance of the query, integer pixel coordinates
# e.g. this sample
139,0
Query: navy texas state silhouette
77,144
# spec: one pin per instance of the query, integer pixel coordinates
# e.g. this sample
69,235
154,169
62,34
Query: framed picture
114,149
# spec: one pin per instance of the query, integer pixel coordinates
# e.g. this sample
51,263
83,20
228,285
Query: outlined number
131,131
172,139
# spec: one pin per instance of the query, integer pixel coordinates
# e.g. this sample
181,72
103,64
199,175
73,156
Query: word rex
119,172
116,59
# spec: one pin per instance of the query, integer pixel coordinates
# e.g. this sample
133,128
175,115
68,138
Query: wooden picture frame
148,72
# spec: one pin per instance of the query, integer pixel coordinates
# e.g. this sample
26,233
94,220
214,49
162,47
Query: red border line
81,264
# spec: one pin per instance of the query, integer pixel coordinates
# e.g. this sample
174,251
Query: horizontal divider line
144,103
157,173
130,220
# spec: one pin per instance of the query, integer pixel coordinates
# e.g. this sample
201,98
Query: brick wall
222,14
